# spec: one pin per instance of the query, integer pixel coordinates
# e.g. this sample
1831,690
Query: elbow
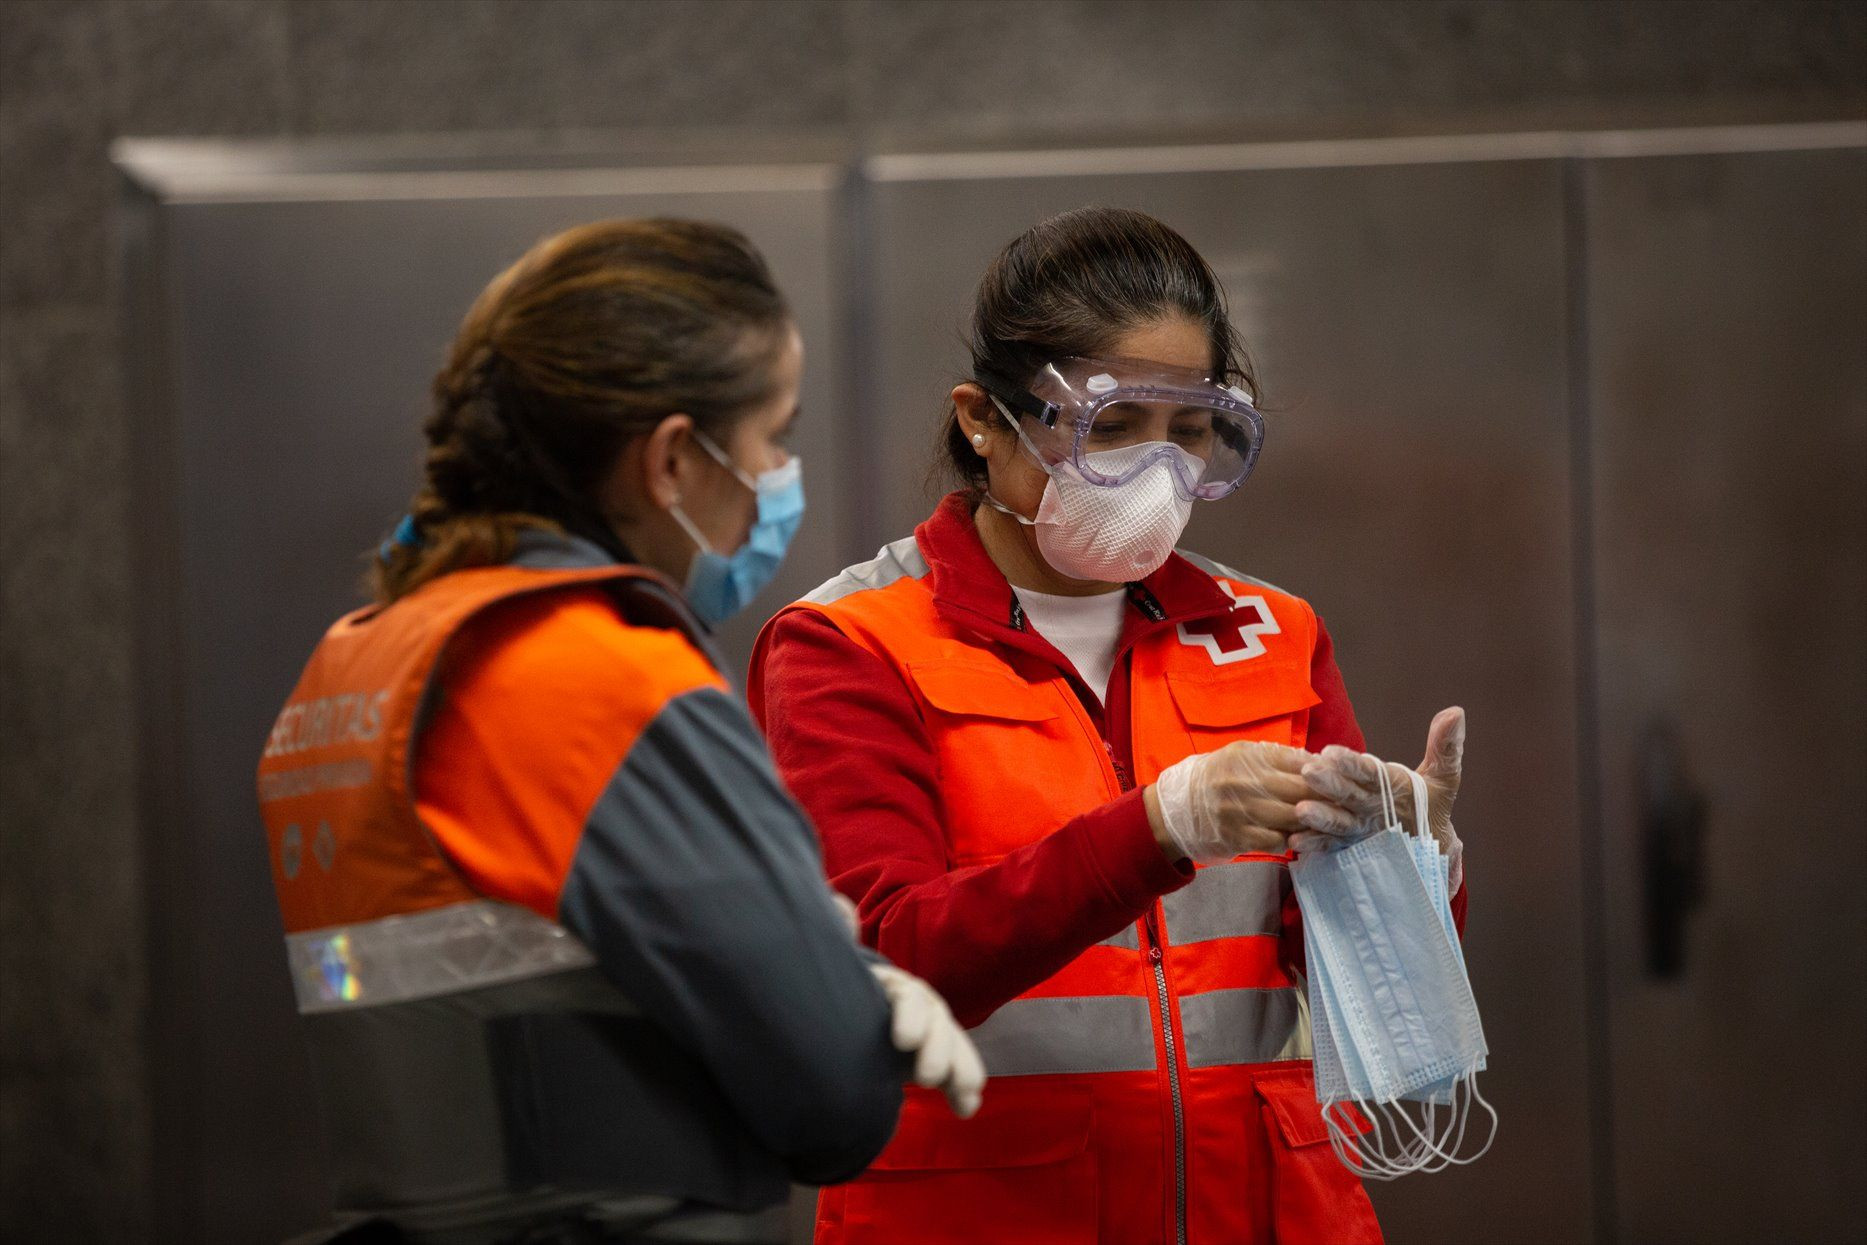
842,1115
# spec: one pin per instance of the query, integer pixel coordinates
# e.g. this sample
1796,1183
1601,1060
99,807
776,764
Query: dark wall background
889,74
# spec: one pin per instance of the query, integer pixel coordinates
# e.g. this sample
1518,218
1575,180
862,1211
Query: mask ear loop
1423,1156
1431,1151
1464,1116
1365,1154
1445,1145
1387,1157
1410,1154
1336,1139
1470,1081
1461,1114
1390,813
1420,810
1429,1115
701,545
1422,1149
1448,1154
1348,1141
1373,1145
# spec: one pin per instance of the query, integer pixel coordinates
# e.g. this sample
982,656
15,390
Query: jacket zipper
1157,960
1121,771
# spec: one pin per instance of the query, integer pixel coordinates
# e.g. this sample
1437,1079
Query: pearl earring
978,440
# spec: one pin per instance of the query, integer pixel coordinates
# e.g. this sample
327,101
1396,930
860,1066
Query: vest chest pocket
981,689
1270,703
1016,760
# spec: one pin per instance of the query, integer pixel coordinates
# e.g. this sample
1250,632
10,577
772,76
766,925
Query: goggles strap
996,383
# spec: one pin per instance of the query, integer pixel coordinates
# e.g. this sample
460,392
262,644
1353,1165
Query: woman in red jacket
1057,764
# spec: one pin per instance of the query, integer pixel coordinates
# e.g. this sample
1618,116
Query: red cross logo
1234,636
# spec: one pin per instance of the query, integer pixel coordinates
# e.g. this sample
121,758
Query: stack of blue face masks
1391,1009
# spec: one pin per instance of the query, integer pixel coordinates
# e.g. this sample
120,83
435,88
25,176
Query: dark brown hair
1073,284
593,337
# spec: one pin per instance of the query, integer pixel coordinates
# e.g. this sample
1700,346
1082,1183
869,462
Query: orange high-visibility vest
473,1063
346,845
1158,1087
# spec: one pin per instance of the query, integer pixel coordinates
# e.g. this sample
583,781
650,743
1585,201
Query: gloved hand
944,1057
1350,783
1240,798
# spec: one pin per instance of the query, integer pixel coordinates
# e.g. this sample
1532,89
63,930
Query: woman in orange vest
567,964
1057,766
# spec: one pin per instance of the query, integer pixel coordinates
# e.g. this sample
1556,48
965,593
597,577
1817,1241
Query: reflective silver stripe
1228,901
900,560
1098,1033
441,951
1219,570
1244,1026
1124,937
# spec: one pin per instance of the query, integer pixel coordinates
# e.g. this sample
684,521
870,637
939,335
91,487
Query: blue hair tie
406,535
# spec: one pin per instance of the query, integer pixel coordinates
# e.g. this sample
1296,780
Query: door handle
1672,843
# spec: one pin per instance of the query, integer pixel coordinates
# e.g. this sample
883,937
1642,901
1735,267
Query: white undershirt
1084,629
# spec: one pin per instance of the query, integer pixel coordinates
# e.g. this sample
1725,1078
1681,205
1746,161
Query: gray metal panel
1729,354
1409,325
299,336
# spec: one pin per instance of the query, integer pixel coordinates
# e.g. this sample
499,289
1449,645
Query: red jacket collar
965,581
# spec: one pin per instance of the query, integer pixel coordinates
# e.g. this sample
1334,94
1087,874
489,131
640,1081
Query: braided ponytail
590,339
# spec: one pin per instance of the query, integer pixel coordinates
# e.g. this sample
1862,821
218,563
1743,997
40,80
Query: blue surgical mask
1391,1008
720,585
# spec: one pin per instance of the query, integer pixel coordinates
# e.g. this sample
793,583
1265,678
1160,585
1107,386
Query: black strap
1016,396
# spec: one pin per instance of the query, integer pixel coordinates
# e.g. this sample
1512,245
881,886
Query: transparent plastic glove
1349,783
1241,798
944,1057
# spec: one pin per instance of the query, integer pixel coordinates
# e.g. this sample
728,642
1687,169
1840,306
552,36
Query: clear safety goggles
1074,409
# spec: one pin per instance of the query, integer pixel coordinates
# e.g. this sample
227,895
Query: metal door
1728,351
1432,330
287,319
1409,324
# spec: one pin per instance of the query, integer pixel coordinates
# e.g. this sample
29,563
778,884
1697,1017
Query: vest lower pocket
1021,1172
1313,1197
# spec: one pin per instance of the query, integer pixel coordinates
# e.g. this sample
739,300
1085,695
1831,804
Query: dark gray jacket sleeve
698,886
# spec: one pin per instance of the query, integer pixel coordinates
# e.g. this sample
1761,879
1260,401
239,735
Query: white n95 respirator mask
1113,533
